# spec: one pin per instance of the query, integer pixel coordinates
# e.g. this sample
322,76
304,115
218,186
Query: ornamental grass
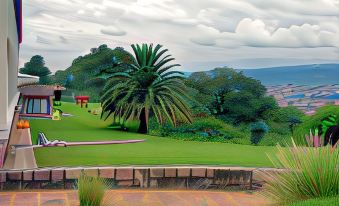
310,172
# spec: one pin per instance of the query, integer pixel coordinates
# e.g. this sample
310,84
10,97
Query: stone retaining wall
143,177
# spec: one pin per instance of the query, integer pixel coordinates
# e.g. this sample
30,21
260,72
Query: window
30,106
37,106
43,104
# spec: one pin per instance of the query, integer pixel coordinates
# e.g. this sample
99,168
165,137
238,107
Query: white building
9,58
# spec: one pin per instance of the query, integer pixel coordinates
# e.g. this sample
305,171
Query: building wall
9,58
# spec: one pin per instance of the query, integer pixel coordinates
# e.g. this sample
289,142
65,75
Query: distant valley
312,75
316,74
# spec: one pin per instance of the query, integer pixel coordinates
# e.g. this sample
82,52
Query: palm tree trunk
143,126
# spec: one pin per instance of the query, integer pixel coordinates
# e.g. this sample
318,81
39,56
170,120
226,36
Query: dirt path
134,198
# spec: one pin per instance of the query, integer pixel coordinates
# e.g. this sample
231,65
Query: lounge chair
44,142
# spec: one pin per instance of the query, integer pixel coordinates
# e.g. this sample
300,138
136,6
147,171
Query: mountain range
314,74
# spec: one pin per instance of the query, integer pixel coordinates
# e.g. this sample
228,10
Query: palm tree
146,87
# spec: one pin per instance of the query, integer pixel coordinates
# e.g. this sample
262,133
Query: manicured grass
318,202
156,150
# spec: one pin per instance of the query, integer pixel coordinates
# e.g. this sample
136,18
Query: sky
200,34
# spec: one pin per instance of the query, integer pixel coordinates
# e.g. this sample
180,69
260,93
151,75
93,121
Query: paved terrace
135,198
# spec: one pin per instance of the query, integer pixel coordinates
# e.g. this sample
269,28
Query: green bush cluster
310,122
272,138
281,128
207,129
211,129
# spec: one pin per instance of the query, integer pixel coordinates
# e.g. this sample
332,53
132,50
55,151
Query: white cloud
42,40
206,35
98,14
253,27
94,6
255,33
63,40
81,11
301,7
194,31
112,30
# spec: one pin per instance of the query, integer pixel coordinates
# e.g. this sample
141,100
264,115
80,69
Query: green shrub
202,138
91,190
208,129
231,132
284,114
211,129
207,123
159,130
313,121
311,173
258,130
281,128
272,139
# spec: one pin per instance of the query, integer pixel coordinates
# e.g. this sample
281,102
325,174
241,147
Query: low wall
143,177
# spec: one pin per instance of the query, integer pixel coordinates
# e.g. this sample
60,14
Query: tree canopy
85,68
230,95
36,67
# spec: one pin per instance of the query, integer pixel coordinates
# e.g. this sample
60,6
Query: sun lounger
44,142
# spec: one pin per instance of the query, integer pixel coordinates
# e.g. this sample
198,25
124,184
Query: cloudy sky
200,34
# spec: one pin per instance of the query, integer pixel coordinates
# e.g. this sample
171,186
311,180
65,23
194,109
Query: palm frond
148,88
164,69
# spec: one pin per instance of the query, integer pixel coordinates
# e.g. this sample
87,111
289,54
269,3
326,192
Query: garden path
132,197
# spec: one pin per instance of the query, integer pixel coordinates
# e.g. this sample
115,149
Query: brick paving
134,198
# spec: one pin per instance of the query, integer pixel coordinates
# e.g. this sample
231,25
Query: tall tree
146,87
230,95
36,67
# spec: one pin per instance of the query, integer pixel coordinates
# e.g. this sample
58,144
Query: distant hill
315,74
84,68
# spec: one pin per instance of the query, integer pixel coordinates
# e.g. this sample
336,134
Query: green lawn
319,202
155,151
